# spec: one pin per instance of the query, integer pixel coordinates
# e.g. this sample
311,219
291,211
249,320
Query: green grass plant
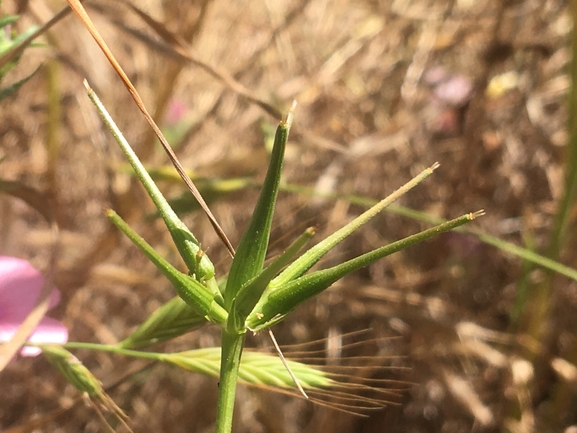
255,297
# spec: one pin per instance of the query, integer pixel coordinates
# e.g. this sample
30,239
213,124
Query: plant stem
232,345
113,349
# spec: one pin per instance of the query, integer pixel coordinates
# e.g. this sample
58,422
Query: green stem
232,345
563,232
113,349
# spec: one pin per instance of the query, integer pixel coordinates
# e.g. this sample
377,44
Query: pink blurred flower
176,111
435,75
450,95
20,286
455,90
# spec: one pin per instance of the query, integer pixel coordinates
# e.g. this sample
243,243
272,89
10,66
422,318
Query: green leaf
195,294
7,44
507,247
313,255
188,246
275,305
249,258
24,35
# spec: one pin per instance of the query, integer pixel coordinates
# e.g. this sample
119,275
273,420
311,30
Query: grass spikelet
83,380
349,385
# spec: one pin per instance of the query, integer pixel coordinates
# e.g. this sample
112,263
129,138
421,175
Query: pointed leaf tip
277,303
188,246
251,252
314,254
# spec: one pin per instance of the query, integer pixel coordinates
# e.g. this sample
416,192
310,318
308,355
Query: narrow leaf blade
188,246
275,305
313,255
249,259
191,291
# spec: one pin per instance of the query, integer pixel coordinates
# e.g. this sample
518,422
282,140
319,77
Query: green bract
198,263
255,297
249,258
190,290
174,318
281,300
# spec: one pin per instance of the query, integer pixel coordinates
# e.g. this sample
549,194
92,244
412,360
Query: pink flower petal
48,331
20,285
176,111
30,351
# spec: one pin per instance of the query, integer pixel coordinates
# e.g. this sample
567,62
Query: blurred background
483,341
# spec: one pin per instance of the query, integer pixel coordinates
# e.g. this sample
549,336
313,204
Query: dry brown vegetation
366,121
